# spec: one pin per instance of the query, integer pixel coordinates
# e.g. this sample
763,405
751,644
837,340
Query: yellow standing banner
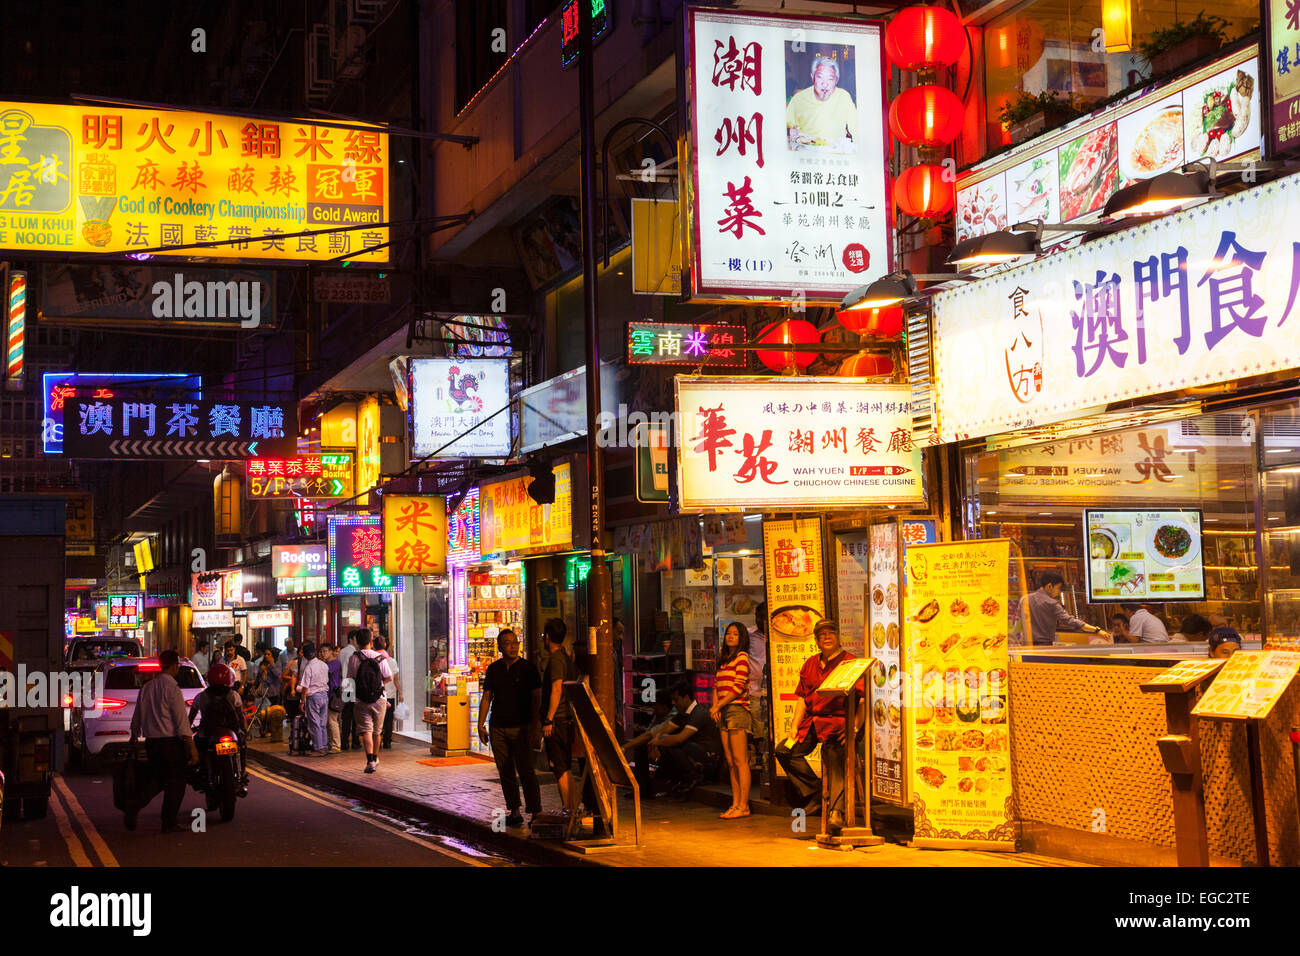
956,717
415,534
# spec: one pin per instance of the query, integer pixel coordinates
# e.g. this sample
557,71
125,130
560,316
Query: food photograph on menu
1144,555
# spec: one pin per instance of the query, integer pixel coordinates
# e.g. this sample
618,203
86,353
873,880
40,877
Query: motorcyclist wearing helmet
220,710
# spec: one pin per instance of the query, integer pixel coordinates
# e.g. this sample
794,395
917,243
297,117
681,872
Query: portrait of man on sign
820,112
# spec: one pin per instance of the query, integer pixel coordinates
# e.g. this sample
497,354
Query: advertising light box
1144,555
299,560
452,404
356,546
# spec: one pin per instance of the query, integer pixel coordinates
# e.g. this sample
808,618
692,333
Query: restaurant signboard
512,523
1281,58
787,177
956,605
103,179
117,428
415,534
59,388
883,601
1196,299
685,343
794,442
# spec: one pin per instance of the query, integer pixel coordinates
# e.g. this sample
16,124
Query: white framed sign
794,442
1200,297
212,620
279,617
449,397
787,178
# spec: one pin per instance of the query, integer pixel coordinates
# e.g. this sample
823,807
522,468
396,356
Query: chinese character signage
125,610
1249,686
102,179
1197,298
785,442
602,19
1067,176
178,428
212,620
512,523
415,534
350,287
787,179
675,343
60,387
299,560
451,404
1281,60
327,475
356,565
1141,556
463,531
955,723
280,617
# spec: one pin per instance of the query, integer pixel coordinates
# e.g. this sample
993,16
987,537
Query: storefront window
1050,45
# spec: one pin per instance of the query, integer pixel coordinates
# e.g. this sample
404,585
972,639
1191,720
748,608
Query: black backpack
369,679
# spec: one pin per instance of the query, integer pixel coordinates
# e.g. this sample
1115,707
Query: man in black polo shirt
512,690
686,747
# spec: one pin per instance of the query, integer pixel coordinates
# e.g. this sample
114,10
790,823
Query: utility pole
599,600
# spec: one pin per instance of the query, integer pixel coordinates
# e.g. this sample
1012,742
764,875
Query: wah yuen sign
794,442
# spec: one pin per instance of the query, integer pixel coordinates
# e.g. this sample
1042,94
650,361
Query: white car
105,731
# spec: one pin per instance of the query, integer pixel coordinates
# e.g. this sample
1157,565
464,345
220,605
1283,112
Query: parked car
85,653
105,732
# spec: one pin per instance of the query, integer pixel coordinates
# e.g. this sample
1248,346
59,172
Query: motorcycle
219,775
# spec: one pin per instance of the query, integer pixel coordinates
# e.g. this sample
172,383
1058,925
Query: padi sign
208,300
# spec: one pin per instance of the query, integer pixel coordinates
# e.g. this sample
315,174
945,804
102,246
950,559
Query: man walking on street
163,720
512,691
347,721
332,718
392,691
557,728
368,672
314,688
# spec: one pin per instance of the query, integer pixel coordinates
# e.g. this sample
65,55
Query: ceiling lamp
788,332
925,191
926,116
924,38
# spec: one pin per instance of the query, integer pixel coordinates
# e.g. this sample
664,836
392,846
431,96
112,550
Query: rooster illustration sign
454,406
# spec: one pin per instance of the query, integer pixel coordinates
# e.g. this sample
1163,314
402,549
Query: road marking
345,808
106,857
75,849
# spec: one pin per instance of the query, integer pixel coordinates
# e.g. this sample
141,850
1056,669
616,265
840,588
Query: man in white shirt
1145,627
369,714
392,691
162,719
200,658
347,721
314,689
236,664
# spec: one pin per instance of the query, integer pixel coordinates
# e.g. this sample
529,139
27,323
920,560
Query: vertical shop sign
1281,67
415,534
883,601
367,449
796,601
956,719
357,556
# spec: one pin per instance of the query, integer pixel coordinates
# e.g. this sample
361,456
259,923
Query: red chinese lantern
884,322
789,332
866,364
923,192
921,38
926,116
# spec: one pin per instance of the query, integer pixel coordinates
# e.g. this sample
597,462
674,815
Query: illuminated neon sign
684,343
304,476
357,556
125,610
59,387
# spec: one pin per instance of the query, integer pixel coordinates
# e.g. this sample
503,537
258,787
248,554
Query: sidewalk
465,798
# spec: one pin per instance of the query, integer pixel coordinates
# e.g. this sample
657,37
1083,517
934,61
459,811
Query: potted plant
1182,42
1029,114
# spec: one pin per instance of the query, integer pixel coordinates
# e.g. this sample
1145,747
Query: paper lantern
789,332
920,38
865,364
1117,25
926,116
923,192
884,322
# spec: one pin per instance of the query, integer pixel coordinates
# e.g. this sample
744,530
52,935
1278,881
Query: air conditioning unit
320,62
350,59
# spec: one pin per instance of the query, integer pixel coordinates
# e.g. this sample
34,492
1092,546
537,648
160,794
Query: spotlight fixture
892,289
1164,193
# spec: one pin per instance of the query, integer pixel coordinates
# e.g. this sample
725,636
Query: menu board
796,601
851,560
956,719
1249,685
887,675
1141,555
1183,674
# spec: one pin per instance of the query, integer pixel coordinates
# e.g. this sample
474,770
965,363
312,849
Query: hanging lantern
789,332
866,364
923,38
885,322
926,116
1117,25
923,192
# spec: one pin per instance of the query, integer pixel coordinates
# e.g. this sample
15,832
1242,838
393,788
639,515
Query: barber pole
17,329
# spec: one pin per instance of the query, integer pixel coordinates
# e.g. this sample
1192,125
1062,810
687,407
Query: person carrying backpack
368,673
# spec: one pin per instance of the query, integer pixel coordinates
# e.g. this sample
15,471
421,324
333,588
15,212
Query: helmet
220,674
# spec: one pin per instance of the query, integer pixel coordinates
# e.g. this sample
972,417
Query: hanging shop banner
80,527
303,476
794,568
449,397
299,560
1068,175
685,343
356,545
512,523
125,610
280,617
117,428
1281,56
102,179
1197,298
887,780
206,592
787,174
415,534
212,620
463,531
656,247
369,455
1249,686
955,722
794,442
129,295
59,387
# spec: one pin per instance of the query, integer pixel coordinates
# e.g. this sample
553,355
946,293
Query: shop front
301,581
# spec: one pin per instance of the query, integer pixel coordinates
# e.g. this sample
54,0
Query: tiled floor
468,798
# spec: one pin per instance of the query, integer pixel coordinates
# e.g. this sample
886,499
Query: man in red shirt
819,719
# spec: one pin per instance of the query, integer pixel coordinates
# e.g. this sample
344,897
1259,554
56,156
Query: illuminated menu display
1144,555
124,610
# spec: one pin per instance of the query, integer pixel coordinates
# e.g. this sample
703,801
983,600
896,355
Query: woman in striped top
730,712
